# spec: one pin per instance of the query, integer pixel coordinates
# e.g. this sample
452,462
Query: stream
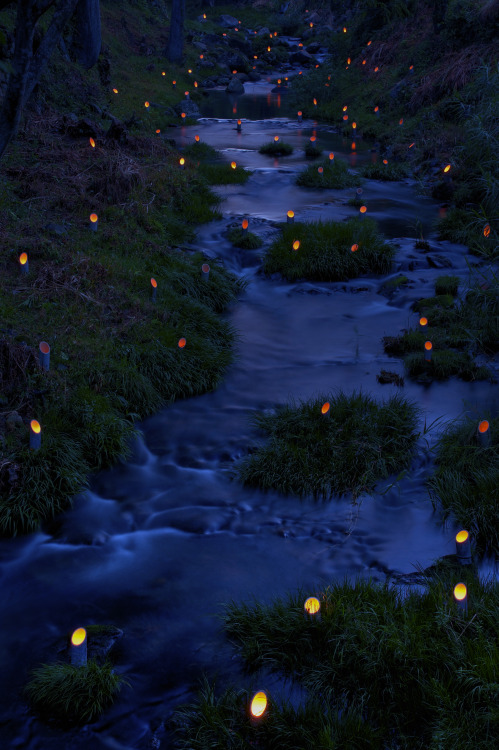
159,543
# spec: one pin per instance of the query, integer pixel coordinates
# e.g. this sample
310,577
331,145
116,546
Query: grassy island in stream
334,175
382,668
329,251
349,449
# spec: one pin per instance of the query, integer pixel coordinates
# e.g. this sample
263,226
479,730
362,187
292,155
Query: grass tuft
223,174
278,148
386,172
447,285
244,240
335,175
325,252
307,453
74,694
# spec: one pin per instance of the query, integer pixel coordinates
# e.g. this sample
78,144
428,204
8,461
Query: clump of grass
423,673
443,365
447,285
335,175
245,240
73,694
276,148
380,171
325,252
223,174
312,151
391,286
201,151
307,453
467,479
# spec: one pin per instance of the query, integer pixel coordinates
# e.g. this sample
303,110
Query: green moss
334,175
244,240
73,694
278,148
359,443
466,481
390,286
325,252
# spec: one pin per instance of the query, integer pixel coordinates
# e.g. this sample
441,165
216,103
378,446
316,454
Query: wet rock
190,108
313,48
208,83
438,261
302,57
254,76
393,378
228,22
264,31
14,422
101,639
193,520
235,86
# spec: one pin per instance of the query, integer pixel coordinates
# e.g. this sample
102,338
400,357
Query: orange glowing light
385,161
195,84
460,592
78,636
181,343
315,102
345,108
154,283
331,156
276,139
313,138
401,121
369,43
205,268
189,71
268,49
158,131
311,25
354,248
423,321
115,91
364,62
486,230
376,69
428,346
182,115
320,170
296,245
447,168
312,604
348,61
290,214
411,67
245,224
462,536
92,142
234,72
196,138
181,161
376,109
411,145
146,105
23,259
174,83
44,347
344,29
94,218
204,16
483,426
299,113
363,209
35,426
201,57
345,117
233,164
259,704
354,125
163,73
353,146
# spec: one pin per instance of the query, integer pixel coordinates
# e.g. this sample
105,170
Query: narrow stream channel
160,542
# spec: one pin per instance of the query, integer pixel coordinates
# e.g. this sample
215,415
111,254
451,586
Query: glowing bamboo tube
290,217
299,114
331,156
326,412
376,111
44,355
315,102
205,271
94,222
35,435
483,433
428,346
312,607
196,138
411,69
354,248
461,597
233,164
296,245
186,94
182,116
239,127
181,343
276,139
181,162
258,705
446,171
79,648
92,142
423,322
486,230
463,547
115,91
320,170
154,285
363,210
147,105
244,225
23,263
174,84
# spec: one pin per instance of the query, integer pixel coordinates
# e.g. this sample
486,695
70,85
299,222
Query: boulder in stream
235,86
228,22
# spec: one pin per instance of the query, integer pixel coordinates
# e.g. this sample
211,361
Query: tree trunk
87,39
176,41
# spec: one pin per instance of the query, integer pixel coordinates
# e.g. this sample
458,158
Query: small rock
55,228
229,22
14,422
386,376
438,261
235,86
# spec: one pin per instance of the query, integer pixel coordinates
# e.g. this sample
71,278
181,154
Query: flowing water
159,543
